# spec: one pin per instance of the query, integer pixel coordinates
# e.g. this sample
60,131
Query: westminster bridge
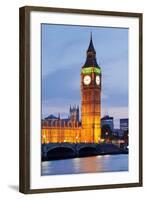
54,151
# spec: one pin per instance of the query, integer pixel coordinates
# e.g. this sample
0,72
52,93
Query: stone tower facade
90,97
74,113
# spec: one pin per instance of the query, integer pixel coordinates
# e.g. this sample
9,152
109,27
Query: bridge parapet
76,147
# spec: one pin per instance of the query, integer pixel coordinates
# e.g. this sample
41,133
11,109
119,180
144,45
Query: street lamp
44,139
76,139
106,133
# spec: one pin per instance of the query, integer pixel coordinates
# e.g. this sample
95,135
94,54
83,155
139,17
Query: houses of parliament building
71,129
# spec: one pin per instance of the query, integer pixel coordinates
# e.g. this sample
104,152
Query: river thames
106,163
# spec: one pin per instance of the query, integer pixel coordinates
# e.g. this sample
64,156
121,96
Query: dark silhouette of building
107,120
124,124
107,126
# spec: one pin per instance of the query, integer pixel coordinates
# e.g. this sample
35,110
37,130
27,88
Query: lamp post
76,139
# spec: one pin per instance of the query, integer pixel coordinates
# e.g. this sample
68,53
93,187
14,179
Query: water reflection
87,164
107,163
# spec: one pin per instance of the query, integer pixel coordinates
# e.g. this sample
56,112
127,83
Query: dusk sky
63,55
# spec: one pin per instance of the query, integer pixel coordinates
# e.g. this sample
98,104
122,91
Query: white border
132,176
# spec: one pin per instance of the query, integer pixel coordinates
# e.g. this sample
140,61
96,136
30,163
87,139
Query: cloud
103,96
60,51
58,105
62,84
116,112
64,53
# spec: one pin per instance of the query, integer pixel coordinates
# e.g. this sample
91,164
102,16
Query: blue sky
63,55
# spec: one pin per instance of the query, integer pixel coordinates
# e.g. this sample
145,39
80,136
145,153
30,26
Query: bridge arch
60,152
87,151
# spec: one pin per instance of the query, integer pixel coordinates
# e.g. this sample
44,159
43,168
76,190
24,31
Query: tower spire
91,55
91,46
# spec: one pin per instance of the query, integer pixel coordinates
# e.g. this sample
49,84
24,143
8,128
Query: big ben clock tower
90,94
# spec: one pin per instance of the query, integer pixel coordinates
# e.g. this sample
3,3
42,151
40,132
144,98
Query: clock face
87,80
98,80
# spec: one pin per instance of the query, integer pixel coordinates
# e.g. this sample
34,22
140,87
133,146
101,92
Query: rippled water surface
107,163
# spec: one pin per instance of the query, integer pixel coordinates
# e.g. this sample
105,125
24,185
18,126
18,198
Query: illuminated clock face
87,80
98,80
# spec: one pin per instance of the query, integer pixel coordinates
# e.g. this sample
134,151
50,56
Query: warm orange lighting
101,140
72,130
